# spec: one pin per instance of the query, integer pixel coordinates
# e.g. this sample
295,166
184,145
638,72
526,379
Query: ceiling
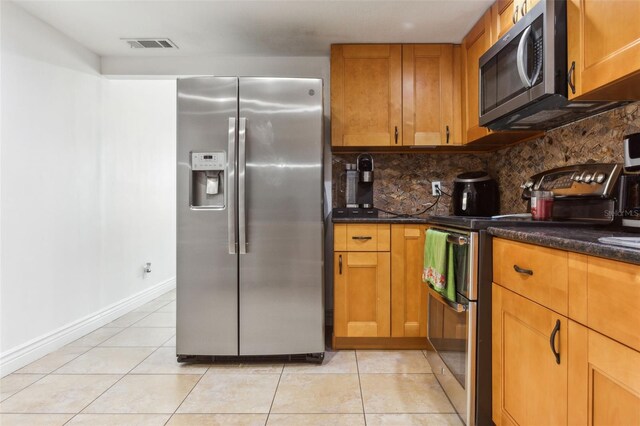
255,28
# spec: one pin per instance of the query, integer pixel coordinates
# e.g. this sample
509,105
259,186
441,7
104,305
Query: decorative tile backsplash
593,140
403,181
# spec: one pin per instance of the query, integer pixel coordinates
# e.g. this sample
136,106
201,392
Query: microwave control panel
210,160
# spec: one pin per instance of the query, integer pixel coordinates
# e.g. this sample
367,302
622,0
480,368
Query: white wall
87,189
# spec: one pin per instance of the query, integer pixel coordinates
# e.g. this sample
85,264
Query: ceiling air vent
150,43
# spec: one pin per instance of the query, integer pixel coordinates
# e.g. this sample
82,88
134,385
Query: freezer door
207,267
280,216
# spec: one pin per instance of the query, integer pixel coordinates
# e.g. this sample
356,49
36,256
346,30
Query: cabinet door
603,40
604,379
366,95
361,289
474,45
429,105
529,386
408,292
503,16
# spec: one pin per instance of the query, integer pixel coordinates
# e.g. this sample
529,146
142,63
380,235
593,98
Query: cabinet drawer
361,237
537,273
613,300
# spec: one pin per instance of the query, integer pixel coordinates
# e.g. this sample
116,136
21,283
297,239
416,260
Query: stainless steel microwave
524,78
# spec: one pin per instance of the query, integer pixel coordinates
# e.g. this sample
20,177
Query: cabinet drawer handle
515,14
524,8
340,264
360,237
552,341
396,135
571,77
448,133
522,270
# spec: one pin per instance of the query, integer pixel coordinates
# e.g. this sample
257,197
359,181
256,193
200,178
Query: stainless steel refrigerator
249,217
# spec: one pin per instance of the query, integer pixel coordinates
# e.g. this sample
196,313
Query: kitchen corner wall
87,190
402,181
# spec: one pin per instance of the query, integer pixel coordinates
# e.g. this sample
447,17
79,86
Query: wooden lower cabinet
597,379
362,291
529,384
604,379
408,292
380,301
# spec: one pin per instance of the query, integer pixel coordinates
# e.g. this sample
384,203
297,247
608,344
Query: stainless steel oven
452,327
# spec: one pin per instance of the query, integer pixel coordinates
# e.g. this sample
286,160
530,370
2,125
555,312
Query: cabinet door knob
522,270
552,341
396,135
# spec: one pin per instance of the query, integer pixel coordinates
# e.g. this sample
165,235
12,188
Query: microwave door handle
522,72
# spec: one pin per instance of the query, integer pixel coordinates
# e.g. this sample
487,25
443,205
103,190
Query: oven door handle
457,307
459,240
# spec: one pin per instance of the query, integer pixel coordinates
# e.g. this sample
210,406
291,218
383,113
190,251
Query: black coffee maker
363,206
629,184
365,183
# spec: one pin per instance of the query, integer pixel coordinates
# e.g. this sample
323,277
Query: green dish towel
439,264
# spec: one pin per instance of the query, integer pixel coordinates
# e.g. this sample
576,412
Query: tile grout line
187,396
124,375
274,395
116,382
364,415
51,373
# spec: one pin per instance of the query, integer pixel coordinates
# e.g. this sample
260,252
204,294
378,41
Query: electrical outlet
436,188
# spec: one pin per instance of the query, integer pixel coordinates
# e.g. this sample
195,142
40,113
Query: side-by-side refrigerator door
207,259
280,216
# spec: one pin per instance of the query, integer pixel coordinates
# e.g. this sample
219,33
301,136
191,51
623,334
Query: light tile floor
126,374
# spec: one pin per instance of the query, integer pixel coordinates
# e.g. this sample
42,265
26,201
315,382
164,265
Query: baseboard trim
16,358
380,343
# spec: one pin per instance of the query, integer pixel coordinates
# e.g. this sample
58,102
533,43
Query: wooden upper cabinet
603,46
505,13
366,95
503,16
474,45
431,94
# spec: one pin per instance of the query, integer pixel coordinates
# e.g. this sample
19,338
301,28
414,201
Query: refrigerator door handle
242,219
231,188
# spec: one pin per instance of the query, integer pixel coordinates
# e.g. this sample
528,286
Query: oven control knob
587,177
599,177
527,185
576,177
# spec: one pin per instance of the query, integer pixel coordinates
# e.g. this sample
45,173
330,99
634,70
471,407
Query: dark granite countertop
382,218
577,239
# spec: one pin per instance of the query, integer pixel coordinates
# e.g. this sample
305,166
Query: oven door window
461,269
448,333
514,69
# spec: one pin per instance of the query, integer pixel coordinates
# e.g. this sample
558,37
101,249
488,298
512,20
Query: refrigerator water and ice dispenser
207,180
